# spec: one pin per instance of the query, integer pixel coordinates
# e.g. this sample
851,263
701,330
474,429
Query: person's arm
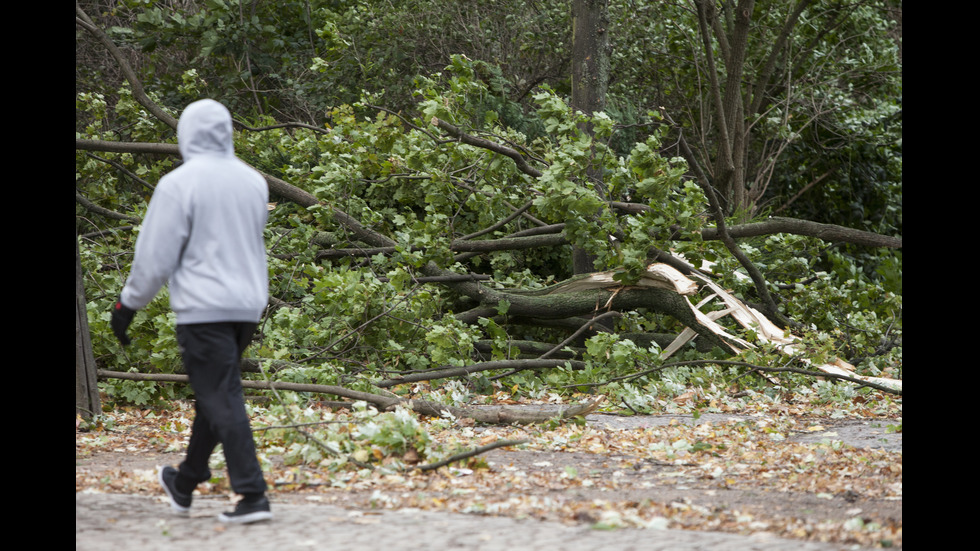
158,250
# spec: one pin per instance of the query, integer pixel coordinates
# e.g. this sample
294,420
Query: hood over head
205,128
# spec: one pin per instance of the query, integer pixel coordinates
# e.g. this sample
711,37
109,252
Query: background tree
751,83
590,80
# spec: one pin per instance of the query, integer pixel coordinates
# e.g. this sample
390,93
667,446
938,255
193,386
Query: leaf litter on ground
571,471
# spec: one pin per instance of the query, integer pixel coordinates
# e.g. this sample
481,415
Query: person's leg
211,354
240,451
195,467
179,483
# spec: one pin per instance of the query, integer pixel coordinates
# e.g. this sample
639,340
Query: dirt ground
638,484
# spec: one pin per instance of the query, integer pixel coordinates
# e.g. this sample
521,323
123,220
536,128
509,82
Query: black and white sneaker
248,510
180,503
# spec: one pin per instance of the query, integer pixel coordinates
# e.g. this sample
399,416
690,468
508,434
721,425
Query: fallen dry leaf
574,473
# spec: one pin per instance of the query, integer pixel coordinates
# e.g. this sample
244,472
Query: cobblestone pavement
116,522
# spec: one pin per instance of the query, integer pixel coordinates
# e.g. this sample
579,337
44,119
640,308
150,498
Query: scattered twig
628,406
470,453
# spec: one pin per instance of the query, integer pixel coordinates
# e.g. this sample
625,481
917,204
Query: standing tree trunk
86,387
737,94
590,80
726,96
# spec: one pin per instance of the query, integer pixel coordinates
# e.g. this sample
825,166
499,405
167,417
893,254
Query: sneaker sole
248,518
177,508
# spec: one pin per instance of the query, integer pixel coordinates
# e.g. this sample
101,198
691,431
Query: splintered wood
750,319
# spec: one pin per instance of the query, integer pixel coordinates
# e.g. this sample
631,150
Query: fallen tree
661,280
654,282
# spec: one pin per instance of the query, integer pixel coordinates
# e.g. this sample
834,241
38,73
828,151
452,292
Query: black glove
121,318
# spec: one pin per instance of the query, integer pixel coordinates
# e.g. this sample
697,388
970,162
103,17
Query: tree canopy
430,179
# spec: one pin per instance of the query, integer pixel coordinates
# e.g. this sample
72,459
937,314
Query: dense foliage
368,80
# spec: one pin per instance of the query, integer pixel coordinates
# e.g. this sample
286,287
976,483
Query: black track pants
211,354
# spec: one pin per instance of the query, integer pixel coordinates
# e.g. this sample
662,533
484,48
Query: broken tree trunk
766,332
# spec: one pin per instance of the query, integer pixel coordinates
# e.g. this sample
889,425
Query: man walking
203,236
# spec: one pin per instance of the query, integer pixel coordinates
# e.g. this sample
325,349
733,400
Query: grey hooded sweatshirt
202,233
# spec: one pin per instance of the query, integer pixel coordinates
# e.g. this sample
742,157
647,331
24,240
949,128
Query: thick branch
104,211
513,154
827,232
82,19
509,243
444,373
485,414
382,401
127,147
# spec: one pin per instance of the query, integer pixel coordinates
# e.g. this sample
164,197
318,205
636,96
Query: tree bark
509,243
590,55
826,232
590,80
86,388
